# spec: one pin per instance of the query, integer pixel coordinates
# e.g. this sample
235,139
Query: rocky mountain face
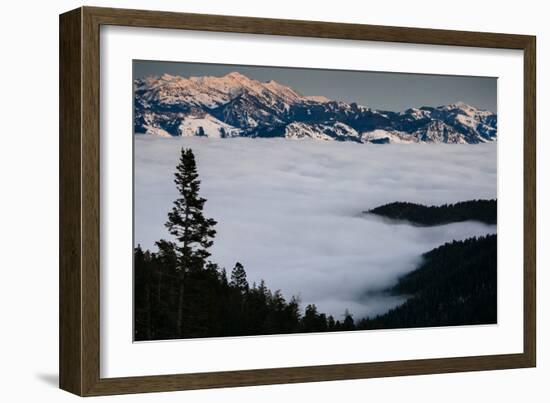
237,106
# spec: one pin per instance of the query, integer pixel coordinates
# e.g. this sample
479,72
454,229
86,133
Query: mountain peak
237,76
467,109
168,77
462,106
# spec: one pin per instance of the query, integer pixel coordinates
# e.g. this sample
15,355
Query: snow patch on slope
328,132
211,127
387,136
156,131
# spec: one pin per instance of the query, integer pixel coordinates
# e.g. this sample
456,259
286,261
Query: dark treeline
455,285
477,210
180,293
214,305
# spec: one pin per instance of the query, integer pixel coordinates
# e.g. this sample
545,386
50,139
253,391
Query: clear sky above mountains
378,90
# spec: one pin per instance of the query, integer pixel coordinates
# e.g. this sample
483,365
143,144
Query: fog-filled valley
292,211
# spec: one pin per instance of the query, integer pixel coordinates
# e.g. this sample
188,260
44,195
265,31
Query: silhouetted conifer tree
238,278
186,222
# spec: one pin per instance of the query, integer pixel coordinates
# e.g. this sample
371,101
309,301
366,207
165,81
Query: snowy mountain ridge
234,105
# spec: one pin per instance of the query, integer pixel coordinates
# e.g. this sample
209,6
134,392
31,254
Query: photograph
281,200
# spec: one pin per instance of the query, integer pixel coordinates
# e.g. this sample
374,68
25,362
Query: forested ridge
476,210
180,293
456,284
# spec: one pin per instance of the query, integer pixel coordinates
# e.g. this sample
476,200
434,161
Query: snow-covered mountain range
235,105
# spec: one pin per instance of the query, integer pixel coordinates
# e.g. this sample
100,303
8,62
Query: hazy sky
387,91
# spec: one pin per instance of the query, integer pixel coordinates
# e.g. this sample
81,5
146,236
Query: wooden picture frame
79,346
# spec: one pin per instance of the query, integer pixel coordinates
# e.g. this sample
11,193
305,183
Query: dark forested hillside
455,285
477,210
214,305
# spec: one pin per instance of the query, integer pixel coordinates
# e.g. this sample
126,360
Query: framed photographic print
249,201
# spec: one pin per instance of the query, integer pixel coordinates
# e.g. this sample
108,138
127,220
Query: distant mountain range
237,106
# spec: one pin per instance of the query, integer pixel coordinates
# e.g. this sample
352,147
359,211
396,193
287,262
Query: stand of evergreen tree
213,305
180,293
455,285
476,210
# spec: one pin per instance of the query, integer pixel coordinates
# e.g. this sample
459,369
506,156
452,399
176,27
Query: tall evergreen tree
330,322
186,222
349,323
310,319
238,278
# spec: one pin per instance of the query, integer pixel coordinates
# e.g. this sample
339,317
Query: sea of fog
290,211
